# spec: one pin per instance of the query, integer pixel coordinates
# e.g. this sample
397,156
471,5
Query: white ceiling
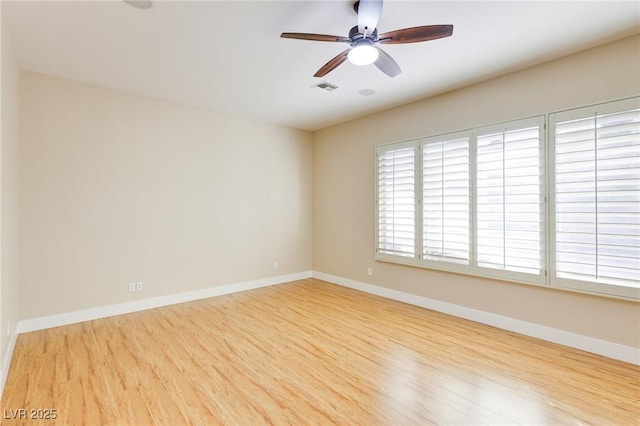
228,56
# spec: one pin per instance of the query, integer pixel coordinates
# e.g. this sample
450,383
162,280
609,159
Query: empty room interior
320,212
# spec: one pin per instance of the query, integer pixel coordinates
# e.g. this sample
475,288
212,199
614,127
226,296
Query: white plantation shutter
445,199
396,211
596,206
475,202
509,201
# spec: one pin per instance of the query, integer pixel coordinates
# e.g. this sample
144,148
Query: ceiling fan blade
386,64
315,37
416,34
368,15
332,64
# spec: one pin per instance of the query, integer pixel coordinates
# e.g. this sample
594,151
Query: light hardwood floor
310,352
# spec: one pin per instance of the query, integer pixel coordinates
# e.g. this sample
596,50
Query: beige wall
10,125
343,188
118,187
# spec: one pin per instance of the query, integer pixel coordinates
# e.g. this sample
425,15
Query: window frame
546,278
521,277
591,287
430,263
406,260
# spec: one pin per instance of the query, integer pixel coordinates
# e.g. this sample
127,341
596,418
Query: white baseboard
6,360
50,321
588,344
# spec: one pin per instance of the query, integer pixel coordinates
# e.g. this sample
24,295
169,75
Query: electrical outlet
275,265
370,272
139,286
132,287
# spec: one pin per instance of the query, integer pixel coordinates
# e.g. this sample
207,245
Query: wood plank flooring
309,352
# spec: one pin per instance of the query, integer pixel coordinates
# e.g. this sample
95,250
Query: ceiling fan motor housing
355,35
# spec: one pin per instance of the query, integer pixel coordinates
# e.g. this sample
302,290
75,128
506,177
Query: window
427,215
476,201
396,200
446,210
509,200
596,199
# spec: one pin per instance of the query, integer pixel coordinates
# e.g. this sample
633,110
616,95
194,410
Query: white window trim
434,264
547,139
567,283
384,256
512,275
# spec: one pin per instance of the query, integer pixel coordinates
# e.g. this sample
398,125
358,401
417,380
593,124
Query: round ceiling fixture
139,4
363,52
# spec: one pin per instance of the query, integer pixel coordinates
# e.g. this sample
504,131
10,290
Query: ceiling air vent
326,86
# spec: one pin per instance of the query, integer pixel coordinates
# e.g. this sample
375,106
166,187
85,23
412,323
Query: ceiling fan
364,37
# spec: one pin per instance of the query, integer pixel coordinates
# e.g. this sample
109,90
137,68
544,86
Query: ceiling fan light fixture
363,53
